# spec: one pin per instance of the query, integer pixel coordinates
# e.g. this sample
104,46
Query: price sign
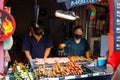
70,77
84,76
96,74
51,79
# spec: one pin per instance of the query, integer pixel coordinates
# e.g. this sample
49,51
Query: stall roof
47,2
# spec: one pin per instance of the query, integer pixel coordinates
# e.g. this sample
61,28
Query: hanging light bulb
70,15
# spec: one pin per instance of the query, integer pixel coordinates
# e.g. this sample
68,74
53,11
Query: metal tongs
36,12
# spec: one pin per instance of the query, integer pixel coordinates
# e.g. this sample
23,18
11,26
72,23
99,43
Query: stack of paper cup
101,61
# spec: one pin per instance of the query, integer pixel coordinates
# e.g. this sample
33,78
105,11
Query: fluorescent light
70,15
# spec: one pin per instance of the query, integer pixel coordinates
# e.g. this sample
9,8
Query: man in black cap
37,43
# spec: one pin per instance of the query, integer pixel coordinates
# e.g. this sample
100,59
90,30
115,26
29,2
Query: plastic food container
101,62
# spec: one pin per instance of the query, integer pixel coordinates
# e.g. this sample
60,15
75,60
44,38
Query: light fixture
70,15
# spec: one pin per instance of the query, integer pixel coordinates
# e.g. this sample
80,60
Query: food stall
73,67
63,68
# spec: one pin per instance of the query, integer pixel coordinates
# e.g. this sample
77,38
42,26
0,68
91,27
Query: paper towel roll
7,44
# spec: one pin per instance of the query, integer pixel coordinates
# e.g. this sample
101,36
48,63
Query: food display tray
86,62
91,72
35,66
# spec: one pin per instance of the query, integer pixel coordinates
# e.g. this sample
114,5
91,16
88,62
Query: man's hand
39,61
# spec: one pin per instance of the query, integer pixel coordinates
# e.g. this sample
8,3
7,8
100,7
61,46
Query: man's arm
28,55
47,52
88,54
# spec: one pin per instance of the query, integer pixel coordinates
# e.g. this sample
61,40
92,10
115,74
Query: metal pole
36,11
88,25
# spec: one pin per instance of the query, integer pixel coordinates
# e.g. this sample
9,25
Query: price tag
70,77
95,74
102,73
83,76
51,79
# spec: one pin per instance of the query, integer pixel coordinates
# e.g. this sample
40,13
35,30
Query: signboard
117,25
74,3
7,25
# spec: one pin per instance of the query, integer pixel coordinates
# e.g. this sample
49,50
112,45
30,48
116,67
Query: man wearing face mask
37,43
77,45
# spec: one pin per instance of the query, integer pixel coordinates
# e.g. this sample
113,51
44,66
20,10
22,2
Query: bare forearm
28,55
88,54
47,52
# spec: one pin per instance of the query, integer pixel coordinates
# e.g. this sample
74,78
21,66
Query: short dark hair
77,27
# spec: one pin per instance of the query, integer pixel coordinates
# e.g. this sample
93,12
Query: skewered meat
74,68
76,58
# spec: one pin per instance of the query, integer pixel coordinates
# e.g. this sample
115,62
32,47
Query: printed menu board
73,3
116,25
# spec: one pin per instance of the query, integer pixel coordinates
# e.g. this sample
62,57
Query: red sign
7,25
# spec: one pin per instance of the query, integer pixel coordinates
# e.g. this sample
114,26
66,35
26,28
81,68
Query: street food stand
87,68
64,68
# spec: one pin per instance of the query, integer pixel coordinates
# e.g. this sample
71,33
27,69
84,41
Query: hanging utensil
36,12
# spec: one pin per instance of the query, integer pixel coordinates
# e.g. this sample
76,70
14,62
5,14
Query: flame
7,24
